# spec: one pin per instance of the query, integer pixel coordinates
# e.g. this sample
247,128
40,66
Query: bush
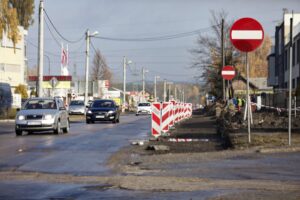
10,114
22,89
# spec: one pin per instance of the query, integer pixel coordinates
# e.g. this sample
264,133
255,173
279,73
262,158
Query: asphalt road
83,151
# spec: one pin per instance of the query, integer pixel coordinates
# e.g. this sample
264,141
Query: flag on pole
64,60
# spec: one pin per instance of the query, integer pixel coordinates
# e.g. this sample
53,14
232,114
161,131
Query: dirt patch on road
149,183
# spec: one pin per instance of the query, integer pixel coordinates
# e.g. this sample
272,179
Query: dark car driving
103,110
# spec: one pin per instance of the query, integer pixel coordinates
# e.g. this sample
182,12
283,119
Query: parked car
143,108
76,107
5,98
103,110
42,114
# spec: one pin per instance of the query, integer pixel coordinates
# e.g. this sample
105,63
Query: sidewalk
7,120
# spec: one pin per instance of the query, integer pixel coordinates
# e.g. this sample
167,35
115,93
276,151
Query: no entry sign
246,34
228,72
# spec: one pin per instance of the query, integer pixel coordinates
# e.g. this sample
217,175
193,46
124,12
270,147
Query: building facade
13,62
280,58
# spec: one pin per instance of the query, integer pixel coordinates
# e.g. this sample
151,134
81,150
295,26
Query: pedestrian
239,104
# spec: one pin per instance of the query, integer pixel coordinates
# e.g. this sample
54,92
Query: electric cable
158,38
56,30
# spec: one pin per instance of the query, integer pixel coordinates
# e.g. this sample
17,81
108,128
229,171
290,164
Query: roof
48,78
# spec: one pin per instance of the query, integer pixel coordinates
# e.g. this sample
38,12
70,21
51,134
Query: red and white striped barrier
156,119
172,113
176,112
165,116
190,110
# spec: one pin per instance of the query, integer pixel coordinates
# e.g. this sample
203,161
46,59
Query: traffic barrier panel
172,113
156,119
165,116
176,112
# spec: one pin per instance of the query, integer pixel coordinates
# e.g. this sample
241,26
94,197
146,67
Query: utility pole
175,93
143,80
87,57
223,57
125,63
40,50
155,83
165,88
124,80
169,90
290,80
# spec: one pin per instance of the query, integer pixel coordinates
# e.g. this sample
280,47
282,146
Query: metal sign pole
290,80
248,102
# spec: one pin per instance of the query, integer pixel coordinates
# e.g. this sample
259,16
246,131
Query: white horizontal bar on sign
228,72
247,34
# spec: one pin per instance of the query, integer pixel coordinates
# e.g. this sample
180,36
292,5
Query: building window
294,54
293,83
285,85
298,82
298,51
285,60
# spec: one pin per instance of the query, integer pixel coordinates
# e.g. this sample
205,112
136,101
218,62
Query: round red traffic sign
228,72
246,34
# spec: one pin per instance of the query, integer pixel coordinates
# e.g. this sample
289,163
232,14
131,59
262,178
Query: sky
169,59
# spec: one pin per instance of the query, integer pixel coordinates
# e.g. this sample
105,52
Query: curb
6,120
279,150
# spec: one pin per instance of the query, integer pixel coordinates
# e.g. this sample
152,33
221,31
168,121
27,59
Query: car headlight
111,112
48,117
21,117
89,112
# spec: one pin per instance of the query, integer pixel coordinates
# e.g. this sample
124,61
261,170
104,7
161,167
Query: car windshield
100,104
77,103
40,104
144,104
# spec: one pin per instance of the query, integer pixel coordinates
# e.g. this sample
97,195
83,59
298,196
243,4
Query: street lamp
169,92
155,82
125,63
143,79
87,37
48,63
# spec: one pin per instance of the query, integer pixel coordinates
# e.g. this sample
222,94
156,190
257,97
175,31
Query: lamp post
87,37
125,63
169,92
143,79
155,83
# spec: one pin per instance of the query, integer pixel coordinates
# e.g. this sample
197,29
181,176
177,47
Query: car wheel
67,129
136,114
19,132
88,121
58,129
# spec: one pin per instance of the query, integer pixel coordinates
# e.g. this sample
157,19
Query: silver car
77,107
42,114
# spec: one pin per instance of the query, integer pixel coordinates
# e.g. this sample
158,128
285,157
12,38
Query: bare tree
208,59
207,54
100,69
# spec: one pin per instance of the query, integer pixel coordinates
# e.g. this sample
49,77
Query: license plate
100,116
34,123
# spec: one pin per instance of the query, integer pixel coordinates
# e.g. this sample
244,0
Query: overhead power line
51,33
47,52
56,30
158,38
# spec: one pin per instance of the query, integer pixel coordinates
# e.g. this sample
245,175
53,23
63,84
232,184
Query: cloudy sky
170,59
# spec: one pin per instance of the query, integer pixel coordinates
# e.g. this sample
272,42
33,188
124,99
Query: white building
13,62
